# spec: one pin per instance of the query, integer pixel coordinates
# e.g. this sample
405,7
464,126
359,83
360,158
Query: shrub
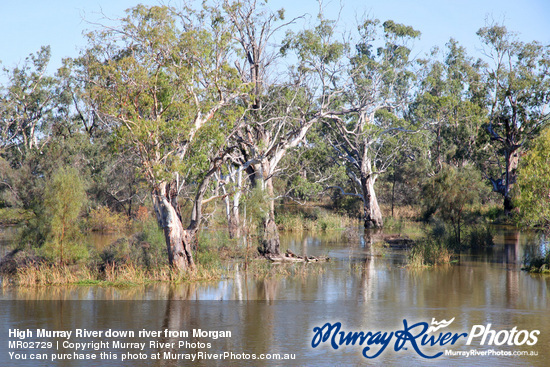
480,237
147,249
102,219
448,194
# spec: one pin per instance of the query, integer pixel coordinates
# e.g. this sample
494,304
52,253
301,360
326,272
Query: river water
364,287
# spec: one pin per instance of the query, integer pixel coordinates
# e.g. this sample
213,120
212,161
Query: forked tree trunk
372,212
178,240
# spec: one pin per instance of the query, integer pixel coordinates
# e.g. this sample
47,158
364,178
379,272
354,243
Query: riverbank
141,258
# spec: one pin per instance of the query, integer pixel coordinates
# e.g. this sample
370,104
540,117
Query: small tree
448,193
64,197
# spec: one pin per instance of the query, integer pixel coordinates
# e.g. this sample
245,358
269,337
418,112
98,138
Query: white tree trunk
178,240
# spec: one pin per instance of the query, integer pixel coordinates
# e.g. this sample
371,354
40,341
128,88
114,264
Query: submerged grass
128,263
131,275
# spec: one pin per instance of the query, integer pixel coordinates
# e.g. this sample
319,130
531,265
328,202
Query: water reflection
371,286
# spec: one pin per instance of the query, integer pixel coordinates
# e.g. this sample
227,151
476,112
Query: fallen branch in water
289,256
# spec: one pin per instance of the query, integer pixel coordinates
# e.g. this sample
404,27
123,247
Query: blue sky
25,25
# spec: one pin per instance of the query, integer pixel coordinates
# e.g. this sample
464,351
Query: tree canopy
222,102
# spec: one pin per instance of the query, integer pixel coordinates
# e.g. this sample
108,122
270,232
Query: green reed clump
429,252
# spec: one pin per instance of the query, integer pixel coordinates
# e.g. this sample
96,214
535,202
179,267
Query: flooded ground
364,287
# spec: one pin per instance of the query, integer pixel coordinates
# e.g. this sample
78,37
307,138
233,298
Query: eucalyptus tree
283,108
280,110
451,106
374,92
33,108
27,105
518,80
162,80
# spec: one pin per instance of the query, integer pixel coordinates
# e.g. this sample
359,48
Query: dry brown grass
113,275
407,212
53,275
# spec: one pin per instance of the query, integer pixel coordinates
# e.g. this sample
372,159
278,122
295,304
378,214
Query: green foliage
518,82
440,243
315,45
346,204
448,193
256,206
480,236
451,106
28,105
533,200
161,77
539,263
64,198
310,169
10,216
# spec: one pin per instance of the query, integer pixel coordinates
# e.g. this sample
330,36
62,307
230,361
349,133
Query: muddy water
364,287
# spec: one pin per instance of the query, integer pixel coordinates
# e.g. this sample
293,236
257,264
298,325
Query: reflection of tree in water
371,236
268,289
177,316
511,247
511,250
368,279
